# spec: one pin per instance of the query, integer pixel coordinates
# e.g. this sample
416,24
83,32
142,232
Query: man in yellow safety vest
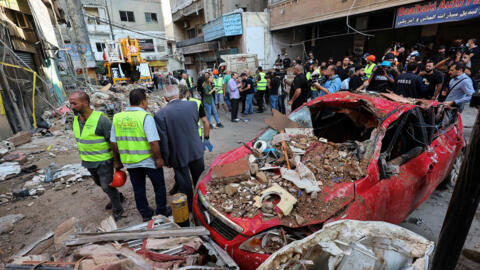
135,143
219,91
92,133
370,65
261,89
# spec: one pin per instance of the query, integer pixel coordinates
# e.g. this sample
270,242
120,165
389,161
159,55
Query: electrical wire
348,24
125,28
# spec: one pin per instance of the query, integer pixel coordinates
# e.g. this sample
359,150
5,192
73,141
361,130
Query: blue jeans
137,178
274,102
248,104
315,94
227,101
209,109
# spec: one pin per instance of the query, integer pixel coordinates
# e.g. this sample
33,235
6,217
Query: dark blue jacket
409,85
177,126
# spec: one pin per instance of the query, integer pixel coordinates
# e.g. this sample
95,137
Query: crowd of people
447,75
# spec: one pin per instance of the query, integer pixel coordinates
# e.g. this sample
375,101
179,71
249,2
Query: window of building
100,46
127,16
151,17
92,15
191,33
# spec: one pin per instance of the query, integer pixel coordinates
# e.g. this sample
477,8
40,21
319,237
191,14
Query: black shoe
146,219
109,204
220,125
174,190
119,215
167,212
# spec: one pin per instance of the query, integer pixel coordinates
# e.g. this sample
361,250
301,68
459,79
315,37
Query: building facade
206,29
29,76
331,29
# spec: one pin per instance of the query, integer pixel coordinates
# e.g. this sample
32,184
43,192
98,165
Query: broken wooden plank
84,238
280,122
28,248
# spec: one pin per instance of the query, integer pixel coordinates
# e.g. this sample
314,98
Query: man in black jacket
179,119
410,84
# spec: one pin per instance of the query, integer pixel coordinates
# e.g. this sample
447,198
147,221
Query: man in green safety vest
219,91
135,143
370,65
261,89
92,133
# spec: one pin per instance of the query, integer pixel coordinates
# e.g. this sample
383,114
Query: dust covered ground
86,201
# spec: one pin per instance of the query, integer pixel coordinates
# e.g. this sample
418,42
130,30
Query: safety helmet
119,179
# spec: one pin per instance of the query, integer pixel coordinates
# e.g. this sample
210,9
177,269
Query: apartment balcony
184,8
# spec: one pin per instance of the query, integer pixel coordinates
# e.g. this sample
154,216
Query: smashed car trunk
351,244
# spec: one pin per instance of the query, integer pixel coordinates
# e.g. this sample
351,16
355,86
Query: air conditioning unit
186,24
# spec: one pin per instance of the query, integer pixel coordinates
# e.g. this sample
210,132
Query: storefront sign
227,25
433,12
146,45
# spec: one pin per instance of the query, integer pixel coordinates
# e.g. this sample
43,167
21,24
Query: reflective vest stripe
218,82
190,81
369,69
262,83
134,152
90,141
91,153
132,142
135,139
92,148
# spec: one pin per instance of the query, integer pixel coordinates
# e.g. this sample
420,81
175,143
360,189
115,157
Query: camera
452,51
380,70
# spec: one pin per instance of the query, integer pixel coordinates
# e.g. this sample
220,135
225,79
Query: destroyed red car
373,158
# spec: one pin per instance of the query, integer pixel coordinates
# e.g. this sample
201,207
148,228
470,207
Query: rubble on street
264,185
157,244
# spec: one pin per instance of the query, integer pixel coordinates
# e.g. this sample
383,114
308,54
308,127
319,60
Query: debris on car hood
352,244
313,176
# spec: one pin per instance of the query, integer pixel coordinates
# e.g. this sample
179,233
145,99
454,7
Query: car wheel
452,176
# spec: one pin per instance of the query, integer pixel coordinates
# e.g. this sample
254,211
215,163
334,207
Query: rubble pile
157,244
291,191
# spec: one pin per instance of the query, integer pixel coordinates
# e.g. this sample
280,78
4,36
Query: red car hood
331,200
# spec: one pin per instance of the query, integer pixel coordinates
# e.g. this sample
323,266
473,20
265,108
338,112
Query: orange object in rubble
119,179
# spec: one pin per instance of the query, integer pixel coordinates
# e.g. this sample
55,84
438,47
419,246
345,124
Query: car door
404,163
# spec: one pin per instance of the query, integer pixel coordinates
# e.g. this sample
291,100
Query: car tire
452,176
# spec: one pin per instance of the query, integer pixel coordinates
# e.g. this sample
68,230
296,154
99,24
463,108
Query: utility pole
109,21
463,204
80,32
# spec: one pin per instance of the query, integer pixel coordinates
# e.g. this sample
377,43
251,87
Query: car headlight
267,242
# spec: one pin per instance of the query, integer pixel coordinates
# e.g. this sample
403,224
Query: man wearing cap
92,132
135,143
381,80
370,65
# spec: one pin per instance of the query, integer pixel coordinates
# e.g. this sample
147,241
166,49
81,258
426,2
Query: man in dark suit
181,147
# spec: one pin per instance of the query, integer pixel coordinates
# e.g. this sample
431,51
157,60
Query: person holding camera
382,79
409,84
329,82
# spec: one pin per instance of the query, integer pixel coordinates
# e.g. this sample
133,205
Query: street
86,201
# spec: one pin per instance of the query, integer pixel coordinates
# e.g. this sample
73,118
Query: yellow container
180,208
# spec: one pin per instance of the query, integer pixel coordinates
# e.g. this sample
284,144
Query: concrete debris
352,244
6,147
20,138
7,222
287,201
19,157
316,165
234,172
8,169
